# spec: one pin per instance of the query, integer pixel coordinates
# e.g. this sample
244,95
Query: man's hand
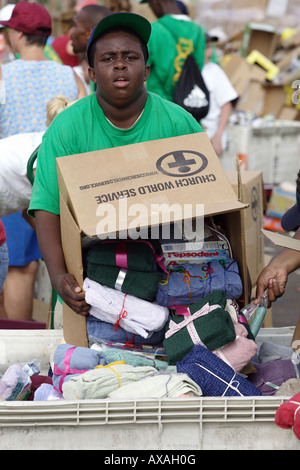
71,293
274,279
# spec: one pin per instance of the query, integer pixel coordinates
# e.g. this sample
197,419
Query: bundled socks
190,283
131,313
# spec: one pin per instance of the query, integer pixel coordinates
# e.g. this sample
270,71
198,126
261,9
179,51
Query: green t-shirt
171,41
83,127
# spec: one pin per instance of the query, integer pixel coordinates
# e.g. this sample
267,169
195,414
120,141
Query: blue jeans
3,263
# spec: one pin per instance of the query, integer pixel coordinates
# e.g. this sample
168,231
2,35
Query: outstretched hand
273,279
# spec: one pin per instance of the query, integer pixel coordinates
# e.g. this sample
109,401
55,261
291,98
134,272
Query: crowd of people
119,91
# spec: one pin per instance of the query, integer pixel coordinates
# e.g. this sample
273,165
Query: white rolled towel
135,315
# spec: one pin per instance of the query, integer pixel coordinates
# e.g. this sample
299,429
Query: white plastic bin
188,424
271,149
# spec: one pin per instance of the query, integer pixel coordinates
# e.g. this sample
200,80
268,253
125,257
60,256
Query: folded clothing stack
131,313
128,266
104,331
213,375
98,383
121,285
208,323
158,385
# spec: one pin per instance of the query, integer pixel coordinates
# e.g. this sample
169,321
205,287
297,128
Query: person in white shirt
15,151
222,94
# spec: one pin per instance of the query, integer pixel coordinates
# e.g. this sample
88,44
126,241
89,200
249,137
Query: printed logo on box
182,162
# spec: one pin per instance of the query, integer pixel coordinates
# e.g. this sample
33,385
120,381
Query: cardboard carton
252,193
149,177
259,36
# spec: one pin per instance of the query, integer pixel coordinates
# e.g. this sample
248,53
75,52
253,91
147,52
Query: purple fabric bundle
271,375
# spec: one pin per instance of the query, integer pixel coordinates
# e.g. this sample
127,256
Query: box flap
282,240
145,184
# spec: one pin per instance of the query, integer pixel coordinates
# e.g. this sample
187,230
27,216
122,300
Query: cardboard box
183,170
252,193
259,36
237,71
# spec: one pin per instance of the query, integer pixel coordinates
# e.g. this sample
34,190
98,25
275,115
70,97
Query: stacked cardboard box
265,71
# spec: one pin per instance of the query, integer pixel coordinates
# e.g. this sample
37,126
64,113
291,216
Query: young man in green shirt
174,36
121,112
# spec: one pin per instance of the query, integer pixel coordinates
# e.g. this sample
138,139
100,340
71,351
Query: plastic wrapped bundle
192,282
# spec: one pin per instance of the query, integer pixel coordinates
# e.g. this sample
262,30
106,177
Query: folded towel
98,383
70,360
271,375
189,283
142,285
135,359
208,324
131,313
159,385
130,254
238,353
97,329
214,376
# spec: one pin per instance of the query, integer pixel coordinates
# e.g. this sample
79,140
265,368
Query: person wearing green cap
120,112
174,36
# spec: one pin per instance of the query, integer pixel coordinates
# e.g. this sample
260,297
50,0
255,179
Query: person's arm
81,88
216,140
275,275
64,283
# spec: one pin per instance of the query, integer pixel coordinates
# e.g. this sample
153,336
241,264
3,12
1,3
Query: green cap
137,23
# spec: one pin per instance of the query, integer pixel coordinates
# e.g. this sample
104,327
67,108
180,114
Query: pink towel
239,352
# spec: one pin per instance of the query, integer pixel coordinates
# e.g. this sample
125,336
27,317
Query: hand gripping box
113,193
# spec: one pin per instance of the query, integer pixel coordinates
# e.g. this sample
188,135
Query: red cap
30,18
